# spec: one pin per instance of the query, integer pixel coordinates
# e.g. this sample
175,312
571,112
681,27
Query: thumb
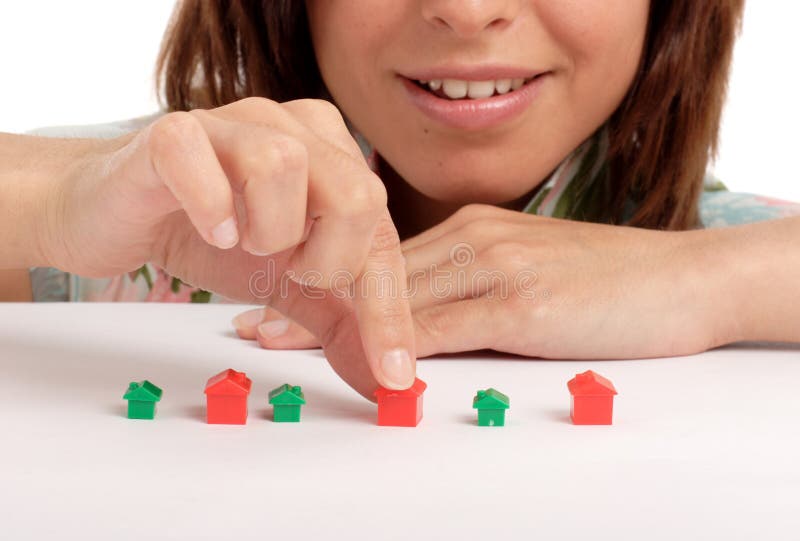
333,322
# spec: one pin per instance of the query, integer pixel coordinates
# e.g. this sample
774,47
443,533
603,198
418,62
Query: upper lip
484,72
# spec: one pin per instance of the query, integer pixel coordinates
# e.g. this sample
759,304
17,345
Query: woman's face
373,53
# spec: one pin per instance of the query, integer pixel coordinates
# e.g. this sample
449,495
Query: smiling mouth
458,89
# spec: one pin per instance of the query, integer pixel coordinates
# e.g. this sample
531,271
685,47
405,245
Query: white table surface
702,447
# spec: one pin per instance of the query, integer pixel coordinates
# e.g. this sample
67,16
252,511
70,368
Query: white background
88,61
702,447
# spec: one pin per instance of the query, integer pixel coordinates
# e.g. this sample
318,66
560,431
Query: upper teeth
457,89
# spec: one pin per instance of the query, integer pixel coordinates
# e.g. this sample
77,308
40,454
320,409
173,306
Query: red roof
229,382
590,384
416,389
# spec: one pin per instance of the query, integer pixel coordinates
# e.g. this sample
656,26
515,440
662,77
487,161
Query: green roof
490,399
143,391
287,395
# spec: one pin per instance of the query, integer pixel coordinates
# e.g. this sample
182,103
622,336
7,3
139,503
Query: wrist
712,285
760,269
34,173
61,178
56,200
58,180
24,178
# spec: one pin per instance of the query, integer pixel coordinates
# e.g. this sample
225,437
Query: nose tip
468,18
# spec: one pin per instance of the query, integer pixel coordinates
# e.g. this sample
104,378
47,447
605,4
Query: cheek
347,37
602,42
331,45
590,29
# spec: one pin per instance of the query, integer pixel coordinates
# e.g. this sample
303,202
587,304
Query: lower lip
478,114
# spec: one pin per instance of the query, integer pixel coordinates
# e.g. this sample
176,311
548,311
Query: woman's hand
508,281
236,200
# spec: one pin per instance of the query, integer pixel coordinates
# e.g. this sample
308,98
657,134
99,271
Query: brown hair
661,137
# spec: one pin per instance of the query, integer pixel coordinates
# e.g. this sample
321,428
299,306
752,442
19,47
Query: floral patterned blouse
563,195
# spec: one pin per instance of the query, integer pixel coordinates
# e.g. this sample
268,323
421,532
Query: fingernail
274,328
396,367
251,318
225,234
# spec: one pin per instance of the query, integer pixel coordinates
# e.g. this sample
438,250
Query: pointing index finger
383,310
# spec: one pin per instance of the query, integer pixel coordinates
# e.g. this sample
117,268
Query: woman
604,113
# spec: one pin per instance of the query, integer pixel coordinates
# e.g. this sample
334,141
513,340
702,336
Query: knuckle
325,120
481,228
432,323
329,110
504,250
283,153
253,109
366,198
508,254
359,198
254,102
473,211
320,109
171,129
276,157
490,227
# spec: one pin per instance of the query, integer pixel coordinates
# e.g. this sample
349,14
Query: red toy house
226,398
592,399
400,408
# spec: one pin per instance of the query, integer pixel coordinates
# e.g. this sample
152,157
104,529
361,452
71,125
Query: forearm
760,265
30,172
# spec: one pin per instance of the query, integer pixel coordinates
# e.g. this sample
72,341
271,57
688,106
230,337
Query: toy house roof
416,389
590,384
287,395
490,399
229,383
143,391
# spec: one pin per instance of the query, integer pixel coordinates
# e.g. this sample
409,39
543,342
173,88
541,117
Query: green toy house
286,401
142,397
491,406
